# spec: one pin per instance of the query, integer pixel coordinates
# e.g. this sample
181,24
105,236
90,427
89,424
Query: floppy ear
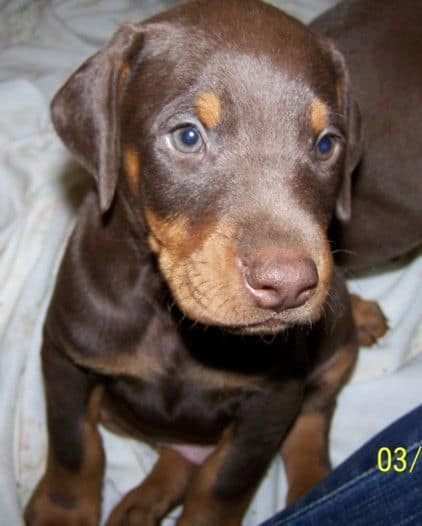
353,156
85,112
354,137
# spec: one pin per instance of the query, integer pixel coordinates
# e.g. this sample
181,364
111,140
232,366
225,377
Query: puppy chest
170,409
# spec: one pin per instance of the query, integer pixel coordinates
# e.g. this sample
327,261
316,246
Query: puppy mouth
266,291
244,317
270,325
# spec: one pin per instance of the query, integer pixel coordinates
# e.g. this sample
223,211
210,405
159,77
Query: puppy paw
46,512
129,513
50,506
371,324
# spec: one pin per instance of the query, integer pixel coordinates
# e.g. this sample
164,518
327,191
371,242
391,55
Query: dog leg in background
370,321
70,491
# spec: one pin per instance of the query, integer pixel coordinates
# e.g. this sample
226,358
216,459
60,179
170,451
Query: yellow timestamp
397,459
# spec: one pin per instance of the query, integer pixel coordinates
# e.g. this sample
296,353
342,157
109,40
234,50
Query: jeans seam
407,519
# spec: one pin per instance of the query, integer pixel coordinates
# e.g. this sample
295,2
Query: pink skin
194,453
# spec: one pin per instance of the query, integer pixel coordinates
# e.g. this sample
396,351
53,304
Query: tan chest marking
223,380
144,366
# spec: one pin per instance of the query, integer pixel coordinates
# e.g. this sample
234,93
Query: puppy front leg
221,490
69,493
305,450
161,490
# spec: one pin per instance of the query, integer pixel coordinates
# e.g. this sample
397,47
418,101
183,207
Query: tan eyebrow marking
208,108
319,115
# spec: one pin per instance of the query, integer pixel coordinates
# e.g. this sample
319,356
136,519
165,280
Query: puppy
197,305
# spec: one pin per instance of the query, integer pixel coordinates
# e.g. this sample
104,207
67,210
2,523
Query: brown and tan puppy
197,305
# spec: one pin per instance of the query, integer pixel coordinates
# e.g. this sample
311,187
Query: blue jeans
377,485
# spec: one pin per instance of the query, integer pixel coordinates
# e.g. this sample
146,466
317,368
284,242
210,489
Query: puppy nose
280,280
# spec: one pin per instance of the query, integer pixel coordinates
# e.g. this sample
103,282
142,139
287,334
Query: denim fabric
358,493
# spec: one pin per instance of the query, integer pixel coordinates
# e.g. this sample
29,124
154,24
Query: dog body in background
222,137
381,41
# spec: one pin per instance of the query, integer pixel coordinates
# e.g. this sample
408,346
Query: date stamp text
397,459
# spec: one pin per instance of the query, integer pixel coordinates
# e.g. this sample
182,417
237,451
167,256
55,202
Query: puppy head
230,129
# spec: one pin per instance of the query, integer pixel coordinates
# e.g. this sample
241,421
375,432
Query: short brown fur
201,297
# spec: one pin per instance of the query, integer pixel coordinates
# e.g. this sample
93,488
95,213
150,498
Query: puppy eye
325,146
187,139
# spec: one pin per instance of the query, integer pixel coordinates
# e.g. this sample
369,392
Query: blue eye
187,139
190,136
325,146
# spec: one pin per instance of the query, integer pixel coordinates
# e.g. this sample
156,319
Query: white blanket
40,44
